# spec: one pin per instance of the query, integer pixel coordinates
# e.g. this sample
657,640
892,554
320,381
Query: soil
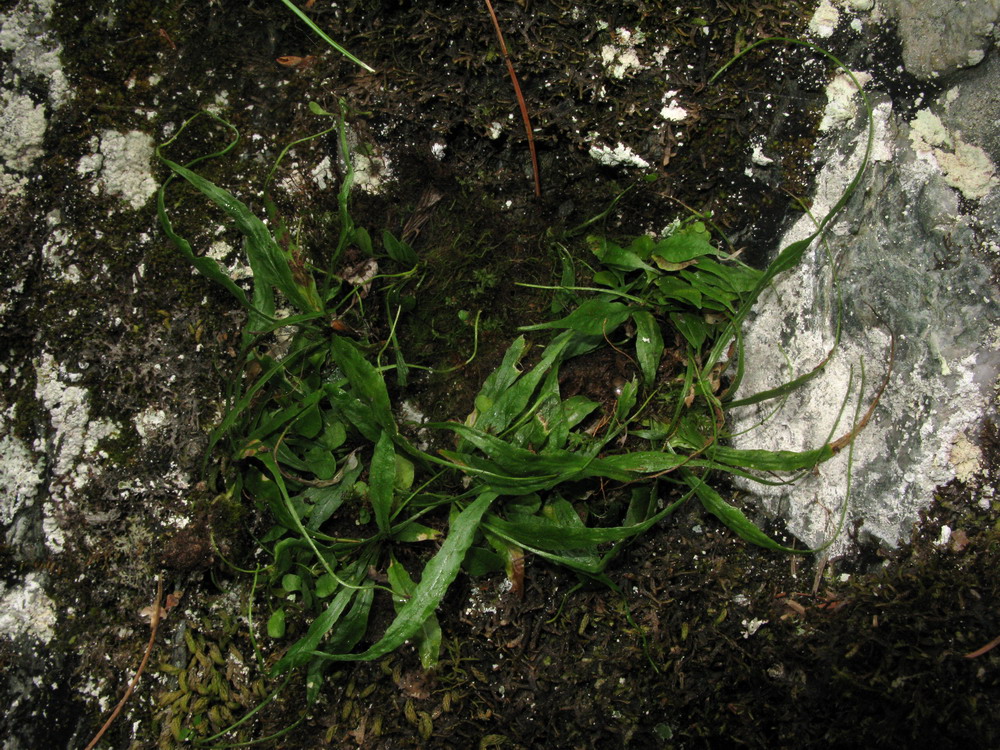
708,641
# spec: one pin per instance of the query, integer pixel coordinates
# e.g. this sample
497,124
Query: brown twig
153,623
520,100
844,441
980,651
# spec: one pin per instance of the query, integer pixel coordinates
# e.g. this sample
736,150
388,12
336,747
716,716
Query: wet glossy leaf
276,623
325,585
300,652
692,241
328,499
613,256
270,264
381,477
734,518
595,317
363,240
321,462
367,384
648,345
692,327
398,250
673,288
437,576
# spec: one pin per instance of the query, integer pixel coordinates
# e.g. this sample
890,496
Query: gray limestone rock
914,253
942,36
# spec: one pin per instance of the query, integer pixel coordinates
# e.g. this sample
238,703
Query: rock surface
942,38
915,253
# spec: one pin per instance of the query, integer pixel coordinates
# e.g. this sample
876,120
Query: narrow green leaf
734,518
595,317
648,345
437,577
276,623
381,478
614,256
678,289
480,562
328,499
692,327
322,35
398,250
411,531
366,382
736,277
501,378
300,652
353,625
356,412
763,460
507,405
274,422
268,261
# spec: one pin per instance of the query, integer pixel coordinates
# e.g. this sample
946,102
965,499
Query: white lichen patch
20,473
22,131
231,261
672,111
55,256
323,174
617,156
890,472
750,627
824,21
371,173
149,421
121,164
32,51
964,166
966,457
842,100
24,34
620,58
72,445
758,156
26,610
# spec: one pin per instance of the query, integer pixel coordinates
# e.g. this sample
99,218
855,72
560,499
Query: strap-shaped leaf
367,383
598,316
437,577
301,650
268,261
648,344
734,518
381,477
497,409
764,460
